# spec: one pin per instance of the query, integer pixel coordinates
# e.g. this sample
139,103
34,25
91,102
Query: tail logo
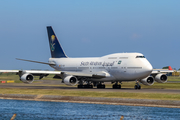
52,42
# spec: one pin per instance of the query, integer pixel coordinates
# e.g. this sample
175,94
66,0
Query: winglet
170,68
55,47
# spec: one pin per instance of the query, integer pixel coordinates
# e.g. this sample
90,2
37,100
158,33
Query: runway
64,87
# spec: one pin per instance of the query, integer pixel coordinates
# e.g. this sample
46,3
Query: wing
159,75
157,71
28,74
9,71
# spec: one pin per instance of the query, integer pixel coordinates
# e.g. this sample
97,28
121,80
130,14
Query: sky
89,28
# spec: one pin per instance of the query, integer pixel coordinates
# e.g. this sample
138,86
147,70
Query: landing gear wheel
85,86
89,86
137,87
115,86
101,86
80,86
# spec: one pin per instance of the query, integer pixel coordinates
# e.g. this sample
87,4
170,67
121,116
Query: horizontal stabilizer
36,61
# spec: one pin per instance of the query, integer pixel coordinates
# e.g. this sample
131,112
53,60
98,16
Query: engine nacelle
27,78
70,80
147,81
161,78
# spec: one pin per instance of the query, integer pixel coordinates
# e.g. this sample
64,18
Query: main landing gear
85,86
88,85
116,86
100,85
137,86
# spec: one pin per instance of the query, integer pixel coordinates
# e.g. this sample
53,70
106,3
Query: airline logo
119,62
52,44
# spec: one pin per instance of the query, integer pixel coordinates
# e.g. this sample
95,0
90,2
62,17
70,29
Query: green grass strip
157,96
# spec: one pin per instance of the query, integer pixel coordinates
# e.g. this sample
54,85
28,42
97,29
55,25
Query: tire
135,87
101,86
89,86
79,86
86,86
116,86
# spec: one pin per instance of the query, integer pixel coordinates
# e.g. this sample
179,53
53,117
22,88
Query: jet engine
70,80
147,81
161,78
27,78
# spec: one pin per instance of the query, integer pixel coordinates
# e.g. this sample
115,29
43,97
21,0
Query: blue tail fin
55,47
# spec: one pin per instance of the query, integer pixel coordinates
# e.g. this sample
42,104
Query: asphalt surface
55,84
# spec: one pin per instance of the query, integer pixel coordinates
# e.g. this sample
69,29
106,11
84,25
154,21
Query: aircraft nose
148,68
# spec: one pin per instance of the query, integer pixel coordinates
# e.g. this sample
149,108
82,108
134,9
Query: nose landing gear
137,86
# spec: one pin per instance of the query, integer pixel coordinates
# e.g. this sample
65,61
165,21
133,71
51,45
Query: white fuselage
118,67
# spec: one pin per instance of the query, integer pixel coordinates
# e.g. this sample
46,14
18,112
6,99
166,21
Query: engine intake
161,78
70,80
27,78
147,81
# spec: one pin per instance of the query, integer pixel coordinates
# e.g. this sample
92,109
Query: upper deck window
140,56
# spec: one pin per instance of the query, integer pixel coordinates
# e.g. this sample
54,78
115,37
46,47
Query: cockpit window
140,56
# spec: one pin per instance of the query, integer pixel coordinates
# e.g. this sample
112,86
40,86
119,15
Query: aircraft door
121,69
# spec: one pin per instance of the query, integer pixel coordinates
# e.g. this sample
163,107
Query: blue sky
89,28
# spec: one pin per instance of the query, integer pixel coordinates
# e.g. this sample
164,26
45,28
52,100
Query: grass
157,96
174,78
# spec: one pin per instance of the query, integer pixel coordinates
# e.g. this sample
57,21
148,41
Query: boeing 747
94,71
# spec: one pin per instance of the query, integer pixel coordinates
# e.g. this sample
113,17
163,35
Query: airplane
94,71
